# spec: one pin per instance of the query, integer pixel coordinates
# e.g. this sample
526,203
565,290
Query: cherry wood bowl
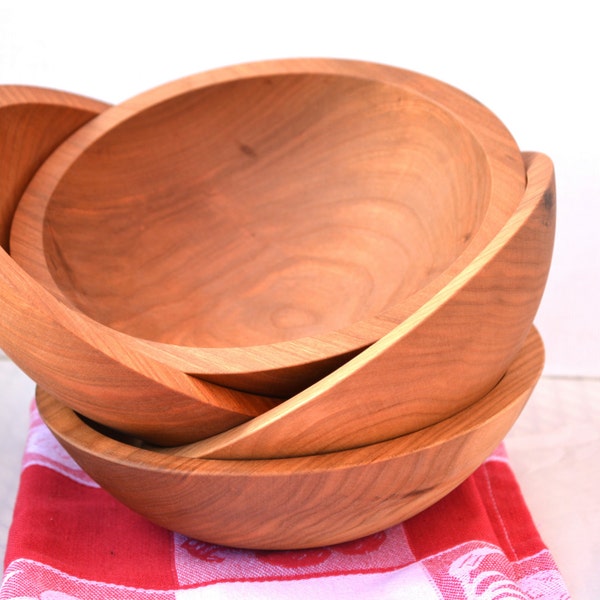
444,357
259,225
110,377
307,501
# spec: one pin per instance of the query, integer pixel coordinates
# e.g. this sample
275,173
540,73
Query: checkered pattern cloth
70,539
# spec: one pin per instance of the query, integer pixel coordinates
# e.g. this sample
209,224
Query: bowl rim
512,391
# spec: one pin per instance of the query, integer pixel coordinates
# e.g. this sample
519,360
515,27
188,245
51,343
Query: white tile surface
553,450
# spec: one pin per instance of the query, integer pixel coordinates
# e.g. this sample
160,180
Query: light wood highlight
307,501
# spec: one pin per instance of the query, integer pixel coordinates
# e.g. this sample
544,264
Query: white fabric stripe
18,573
410,583
73,475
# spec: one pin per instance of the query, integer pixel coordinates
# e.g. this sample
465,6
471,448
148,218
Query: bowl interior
264,209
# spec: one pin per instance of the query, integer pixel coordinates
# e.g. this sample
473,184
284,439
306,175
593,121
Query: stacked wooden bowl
295,294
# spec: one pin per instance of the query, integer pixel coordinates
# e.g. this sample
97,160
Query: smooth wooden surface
129,384
55,116
308,501
267,221
79,360
426,369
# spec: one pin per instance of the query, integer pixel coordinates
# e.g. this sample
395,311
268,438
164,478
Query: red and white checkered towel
70,539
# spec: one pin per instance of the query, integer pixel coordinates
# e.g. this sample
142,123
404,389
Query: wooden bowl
407,380
79,360
259,225
300,502
116,384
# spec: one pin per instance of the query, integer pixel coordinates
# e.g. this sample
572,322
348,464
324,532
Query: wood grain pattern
268,221
307,501
77,359
427,368
55,116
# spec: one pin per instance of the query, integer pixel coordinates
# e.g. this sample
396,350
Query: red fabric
70,539
85,532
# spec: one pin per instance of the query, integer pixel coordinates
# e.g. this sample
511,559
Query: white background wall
536,64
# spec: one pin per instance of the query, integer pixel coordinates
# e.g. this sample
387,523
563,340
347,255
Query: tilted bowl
448,354
155,411
307,501
259,225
